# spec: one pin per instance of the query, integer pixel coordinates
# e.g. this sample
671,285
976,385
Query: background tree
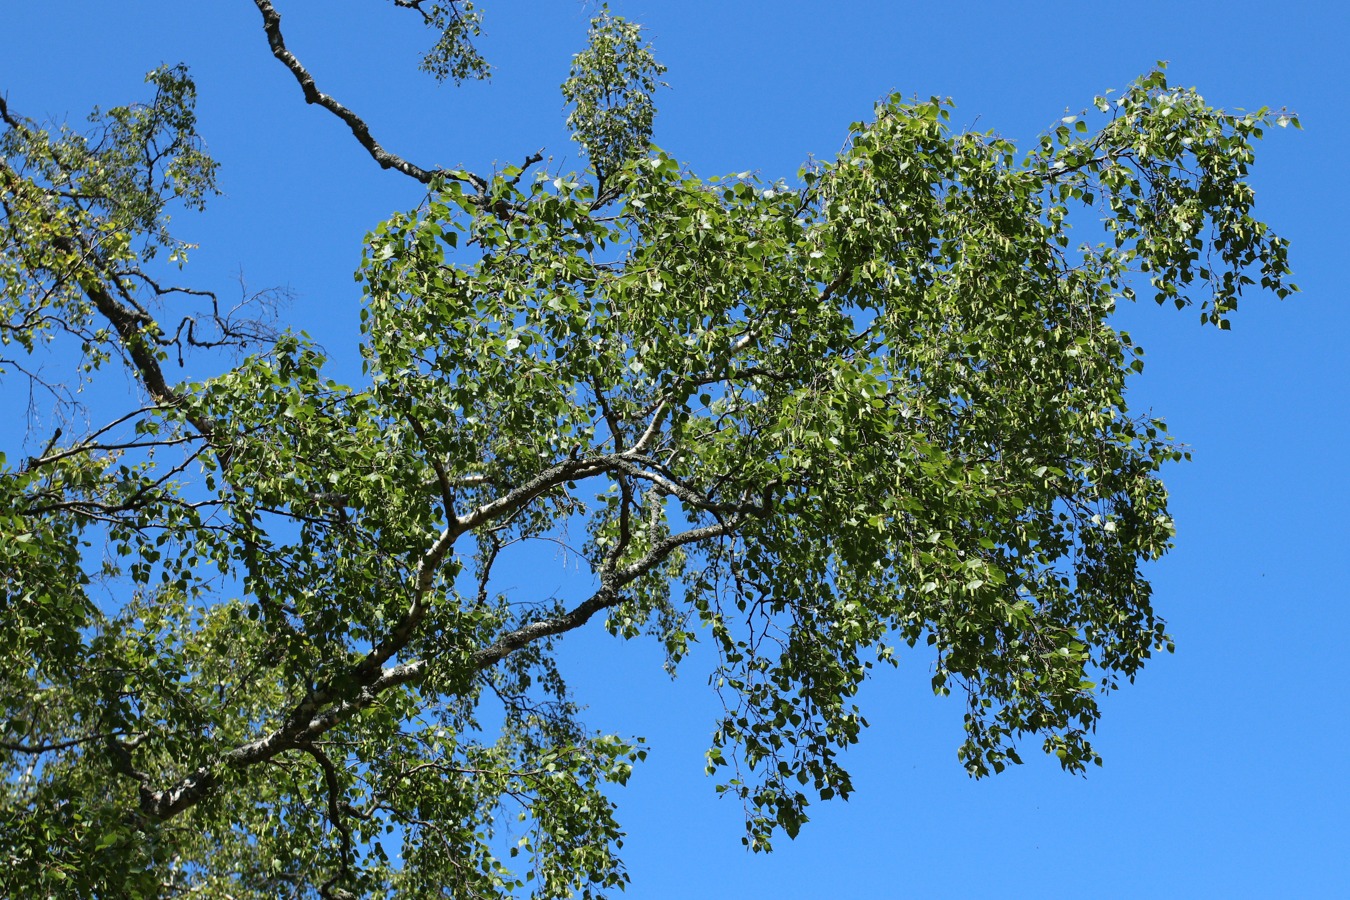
880,404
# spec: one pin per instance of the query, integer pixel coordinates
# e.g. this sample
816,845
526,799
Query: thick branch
545,481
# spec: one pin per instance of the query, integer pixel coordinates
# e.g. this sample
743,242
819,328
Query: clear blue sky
1224,769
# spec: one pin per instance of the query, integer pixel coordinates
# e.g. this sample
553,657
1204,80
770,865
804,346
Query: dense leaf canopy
808,423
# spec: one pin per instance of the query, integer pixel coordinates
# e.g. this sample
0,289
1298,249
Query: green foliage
804,423
453,55
114,186
609,90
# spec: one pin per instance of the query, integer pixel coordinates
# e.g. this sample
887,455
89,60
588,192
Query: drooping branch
442,480
133,329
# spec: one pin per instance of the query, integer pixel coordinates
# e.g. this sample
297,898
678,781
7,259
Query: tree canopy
877,409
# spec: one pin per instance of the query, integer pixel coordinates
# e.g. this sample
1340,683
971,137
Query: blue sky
1224,767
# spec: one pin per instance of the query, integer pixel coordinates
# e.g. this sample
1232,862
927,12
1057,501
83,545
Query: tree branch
387,160
335,805
608,595
447,493
311,719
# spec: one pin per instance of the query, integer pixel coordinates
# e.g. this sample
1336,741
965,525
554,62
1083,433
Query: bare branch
670,485
417,5
91,447
485,570
387,160
6,116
